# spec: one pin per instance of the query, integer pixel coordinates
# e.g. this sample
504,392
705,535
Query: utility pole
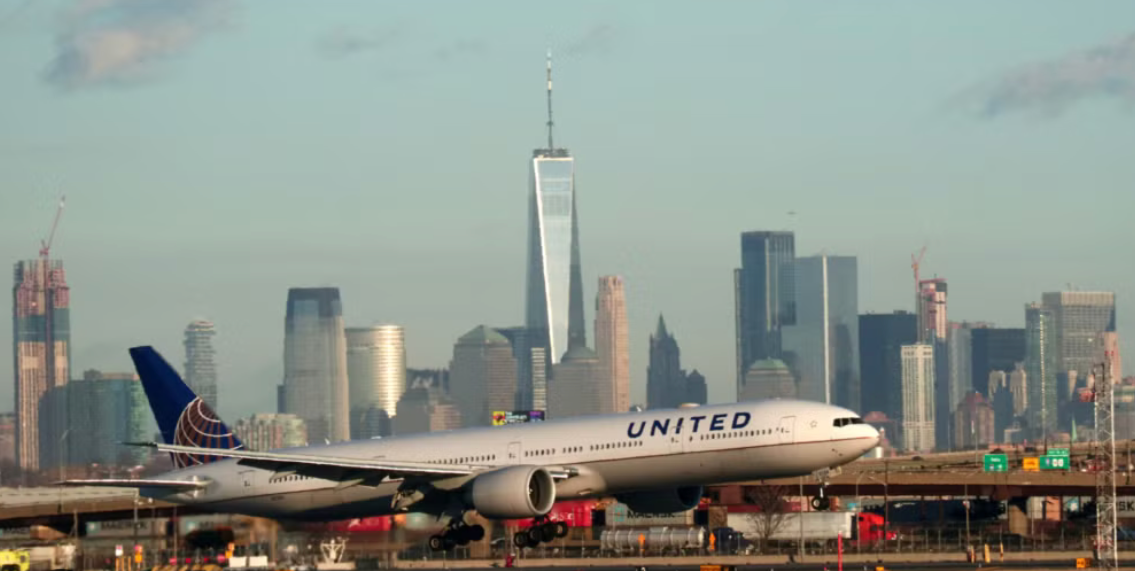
1107,556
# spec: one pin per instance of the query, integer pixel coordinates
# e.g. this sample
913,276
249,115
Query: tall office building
376,376
86,421
1042,350
1081,317
667,384
994,349
315,363
918,406
262,432
960,343
41,346
612,343
579,385
425,407
881,337
482,375
973,422
200,361
554,295
768,379
765,297
822,348
7,442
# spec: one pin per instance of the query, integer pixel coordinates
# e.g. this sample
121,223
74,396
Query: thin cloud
1051,87
600,39
121,42
342,42
461,48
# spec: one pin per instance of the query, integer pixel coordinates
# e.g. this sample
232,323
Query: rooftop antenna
550,147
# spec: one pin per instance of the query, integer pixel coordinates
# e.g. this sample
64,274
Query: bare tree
772,510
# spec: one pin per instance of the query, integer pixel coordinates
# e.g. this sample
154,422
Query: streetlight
966,502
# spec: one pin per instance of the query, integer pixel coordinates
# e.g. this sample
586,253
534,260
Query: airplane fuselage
631,452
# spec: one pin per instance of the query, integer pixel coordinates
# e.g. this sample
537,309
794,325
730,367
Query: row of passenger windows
847,421
613,445
739,434
464,459
291,478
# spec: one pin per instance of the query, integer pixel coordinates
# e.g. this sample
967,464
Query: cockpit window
839,422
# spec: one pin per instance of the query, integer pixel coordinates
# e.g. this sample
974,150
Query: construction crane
916,264
49,297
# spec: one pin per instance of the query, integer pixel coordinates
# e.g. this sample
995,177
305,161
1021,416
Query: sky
215,153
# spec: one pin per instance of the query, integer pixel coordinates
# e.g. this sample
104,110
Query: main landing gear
542,531
456,533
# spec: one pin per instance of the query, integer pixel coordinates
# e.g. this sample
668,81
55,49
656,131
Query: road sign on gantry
996,463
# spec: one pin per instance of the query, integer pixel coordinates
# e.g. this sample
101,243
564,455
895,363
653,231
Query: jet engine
662,501
513,493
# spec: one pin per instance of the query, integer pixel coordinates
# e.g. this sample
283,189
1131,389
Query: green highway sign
1051,462
1058,452
996,463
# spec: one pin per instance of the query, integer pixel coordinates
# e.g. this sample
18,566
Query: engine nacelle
662,501
513,493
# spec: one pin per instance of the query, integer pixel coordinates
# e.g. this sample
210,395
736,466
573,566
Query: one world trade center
554,297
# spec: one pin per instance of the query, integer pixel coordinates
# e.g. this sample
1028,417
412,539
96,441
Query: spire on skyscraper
550,123
661,331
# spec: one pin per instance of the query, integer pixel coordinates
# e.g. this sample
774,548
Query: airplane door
675,444
787,430
248,478
513,452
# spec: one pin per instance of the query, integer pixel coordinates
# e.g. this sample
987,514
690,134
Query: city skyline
240,282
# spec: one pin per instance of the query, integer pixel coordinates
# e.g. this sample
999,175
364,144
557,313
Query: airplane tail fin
184,419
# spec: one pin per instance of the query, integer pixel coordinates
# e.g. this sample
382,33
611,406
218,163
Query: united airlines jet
655,462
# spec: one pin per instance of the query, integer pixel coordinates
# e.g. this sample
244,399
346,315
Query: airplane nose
875,438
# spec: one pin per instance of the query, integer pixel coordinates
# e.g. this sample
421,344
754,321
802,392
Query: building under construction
40,346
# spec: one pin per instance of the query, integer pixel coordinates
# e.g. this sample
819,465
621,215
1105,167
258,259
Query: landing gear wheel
561,529
476,533
437,542
821,503
460,536
520,539
535,535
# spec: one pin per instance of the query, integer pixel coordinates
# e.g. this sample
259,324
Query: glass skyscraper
1081,319
200,361
554,295
555,286
315,363
881,338
1041,361
822,348
376,367
765,292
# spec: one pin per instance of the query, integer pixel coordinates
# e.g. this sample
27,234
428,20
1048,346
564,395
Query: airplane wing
338,468
183,485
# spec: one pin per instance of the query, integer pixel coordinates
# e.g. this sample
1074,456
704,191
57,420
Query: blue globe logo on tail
184,419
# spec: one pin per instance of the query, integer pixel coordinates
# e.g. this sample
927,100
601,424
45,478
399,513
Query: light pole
966,502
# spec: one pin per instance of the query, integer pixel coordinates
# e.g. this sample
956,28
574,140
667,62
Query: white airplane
655,462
